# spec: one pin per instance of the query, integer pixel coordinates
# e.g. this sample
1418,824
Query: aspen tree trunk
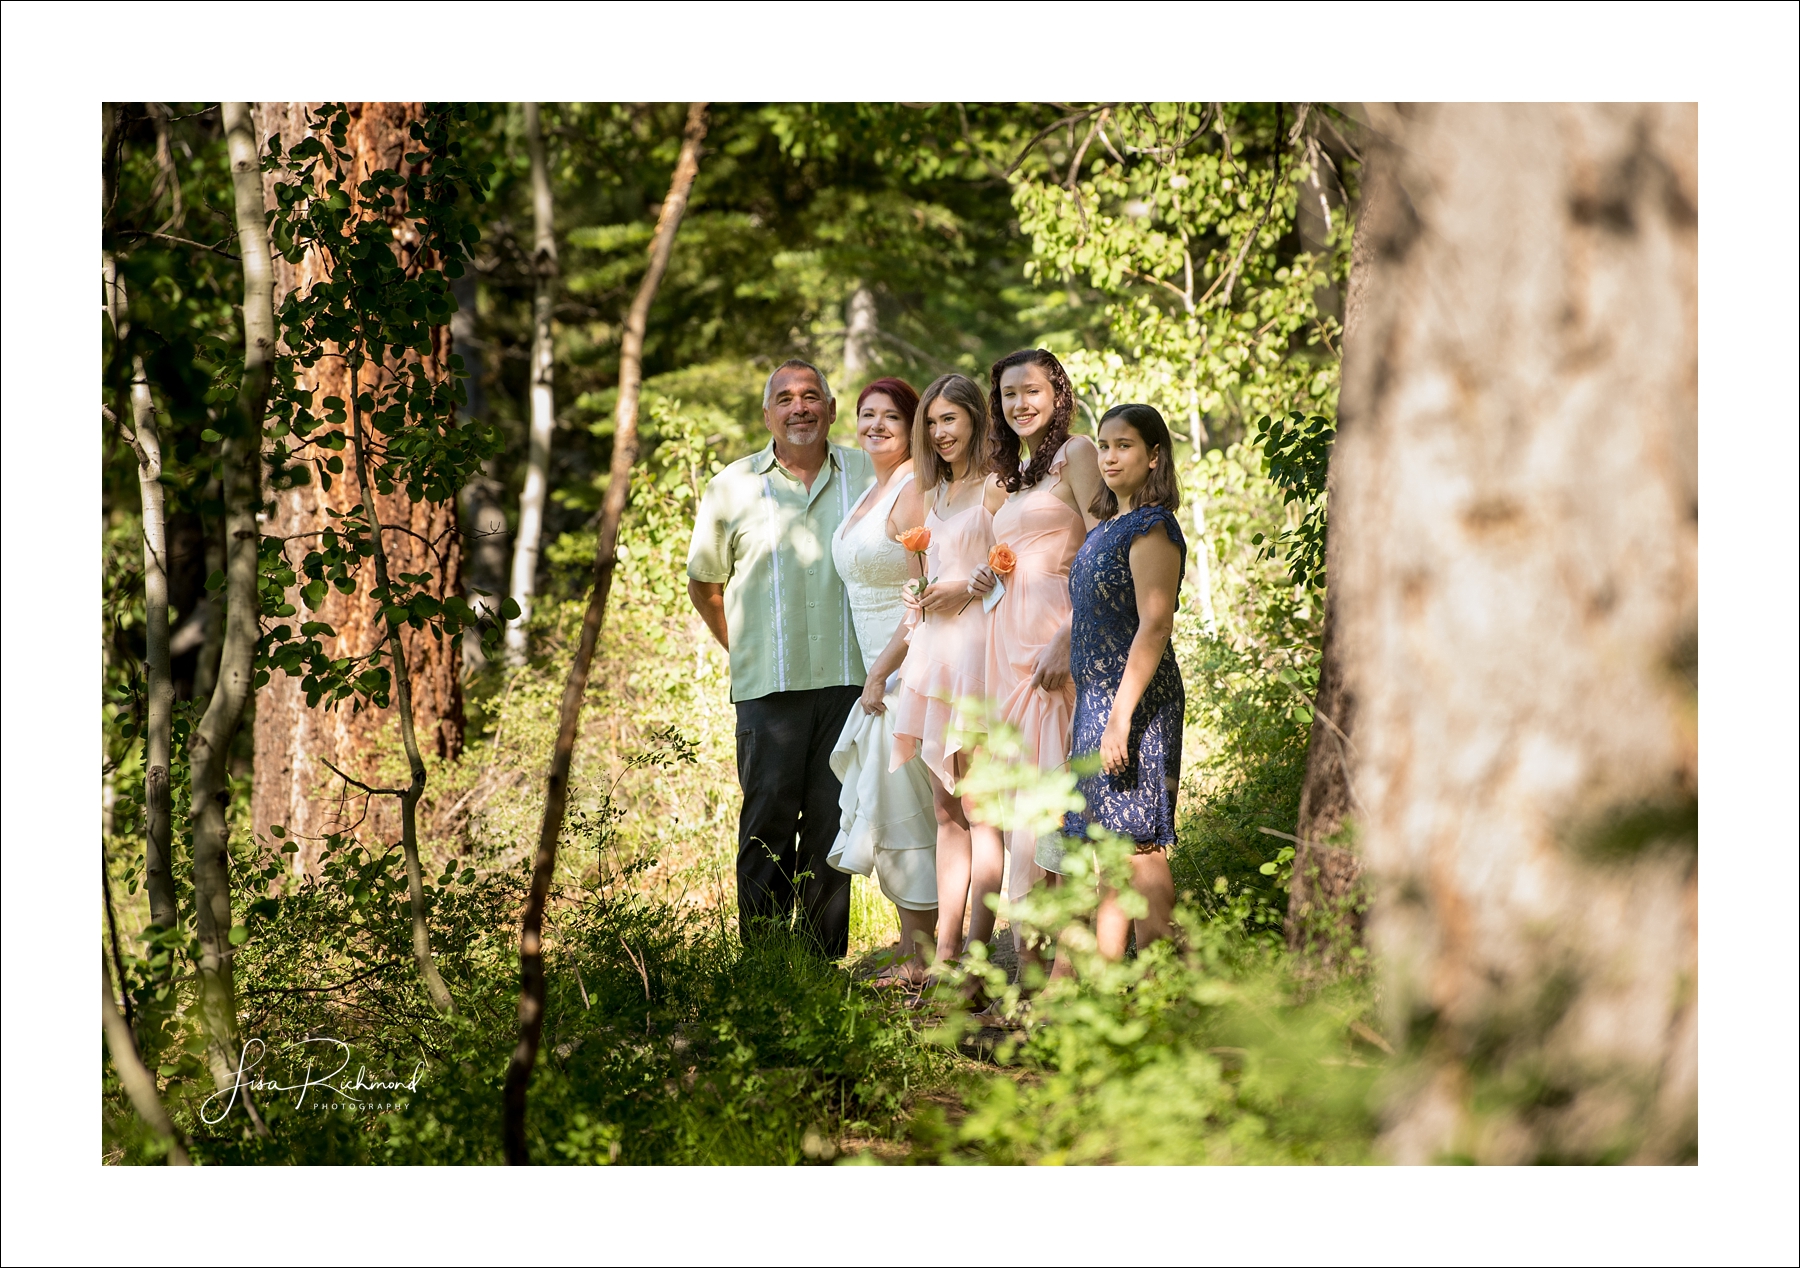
1325,894
860,332
139,1083
146,443
1518,511
210,747
606,554
159,880
292,786
543,399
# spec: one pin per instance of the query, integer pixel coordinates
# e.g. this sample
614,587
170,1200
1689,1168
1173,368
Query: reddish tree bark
292,787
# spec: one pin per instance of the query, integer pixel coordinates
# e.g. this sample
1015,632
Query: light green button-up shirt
768,539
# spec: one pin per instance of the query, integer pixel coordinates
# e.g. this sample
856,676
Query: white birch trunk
543,399
1518,509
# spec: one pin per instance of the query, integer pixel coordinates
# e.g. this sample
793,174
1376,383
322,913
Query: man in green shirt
761,574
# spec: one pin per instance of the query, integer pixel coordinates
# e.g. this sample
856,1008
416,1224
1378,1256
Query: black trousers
790,815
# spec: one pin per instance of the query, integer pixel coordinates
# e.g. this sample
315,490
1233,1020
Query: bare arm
1081,476
708,598
908,513
1156,574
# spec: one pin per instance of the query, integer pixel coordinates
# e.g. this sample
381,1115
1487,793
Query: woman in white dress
887,825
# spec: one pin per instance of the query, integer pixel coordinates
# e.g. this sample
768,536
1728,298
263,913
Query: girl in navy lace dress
1129,699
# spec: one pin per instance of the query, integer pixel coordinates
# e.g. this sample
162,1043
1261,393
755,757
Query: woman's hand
1115,744
1052,669
874,696
945,596
982,581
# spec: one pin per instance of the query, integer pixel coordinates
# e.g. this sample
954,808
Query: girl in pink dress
946,659
1043,521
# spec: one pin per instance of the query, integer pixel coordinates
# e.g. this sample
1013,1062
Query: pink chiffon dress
1045,533
943,683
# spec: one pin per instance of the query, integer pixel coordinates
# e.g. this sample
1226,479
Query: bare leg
1150,878
953,865
986,875
918,932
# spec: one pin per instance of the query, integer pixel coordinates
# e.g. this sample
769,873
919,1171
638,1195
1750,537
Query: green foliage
1188,221
1297,450
665,1041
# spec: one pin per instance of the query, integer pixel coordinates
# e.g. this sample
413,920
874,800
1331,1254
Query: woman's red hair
900,392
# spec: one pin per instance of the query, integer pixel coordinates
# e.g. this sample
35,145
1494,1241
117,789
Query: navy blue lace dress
1138,803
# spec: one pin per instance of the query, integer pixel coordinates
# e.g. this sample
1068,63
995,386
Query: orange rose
917,540
1002,560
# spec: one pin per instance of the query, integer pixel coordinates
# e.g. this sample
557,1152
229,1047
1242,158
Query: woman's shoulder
1080,450
1140,520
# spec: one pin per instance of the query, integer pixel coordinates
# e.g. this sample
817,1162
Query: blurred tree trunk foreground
1518,510
292,787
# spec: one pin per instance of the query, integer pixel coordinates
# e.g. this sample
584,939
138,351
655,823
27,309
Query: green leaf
239,935
509,610
210,436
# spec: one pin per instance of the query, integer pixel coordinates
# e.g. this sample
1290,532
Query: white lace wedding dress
886,824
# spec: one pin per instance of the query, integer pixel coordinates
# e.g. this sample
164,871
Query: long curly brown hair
1004,442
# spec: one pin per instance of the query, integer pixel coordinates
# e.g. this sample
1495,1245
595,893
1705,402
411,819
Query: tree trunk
212,629
159,879
409,740
860,333
292,786
139,1083
606,554
210,747
483,513
1325,898
543,400
1518,511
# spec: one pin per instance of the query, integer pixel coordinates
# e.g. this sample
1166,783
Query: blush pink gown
946,655
1044,532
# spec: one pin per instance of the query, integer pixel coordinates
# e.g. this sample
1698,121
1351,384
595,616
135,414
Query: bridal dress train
886,826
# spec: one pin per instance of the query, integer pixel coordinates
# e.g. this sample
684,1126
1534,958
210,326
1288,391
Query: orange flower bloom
917,540
1002,560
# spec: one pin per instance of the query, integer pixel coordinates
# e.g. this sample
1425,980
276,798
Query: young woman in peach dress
1043,521
946,658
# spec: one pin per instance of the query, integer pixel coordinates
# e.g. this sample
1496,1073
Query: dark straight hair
1162,488
929,467
1005,445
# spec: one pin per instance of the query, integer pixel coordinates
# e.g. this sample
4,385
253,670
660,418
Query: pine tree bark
292,786
1518,518
606,556
543,395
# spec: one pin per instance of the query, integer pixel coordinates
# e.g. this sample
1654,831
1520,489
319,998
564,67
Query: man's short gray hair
795,363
